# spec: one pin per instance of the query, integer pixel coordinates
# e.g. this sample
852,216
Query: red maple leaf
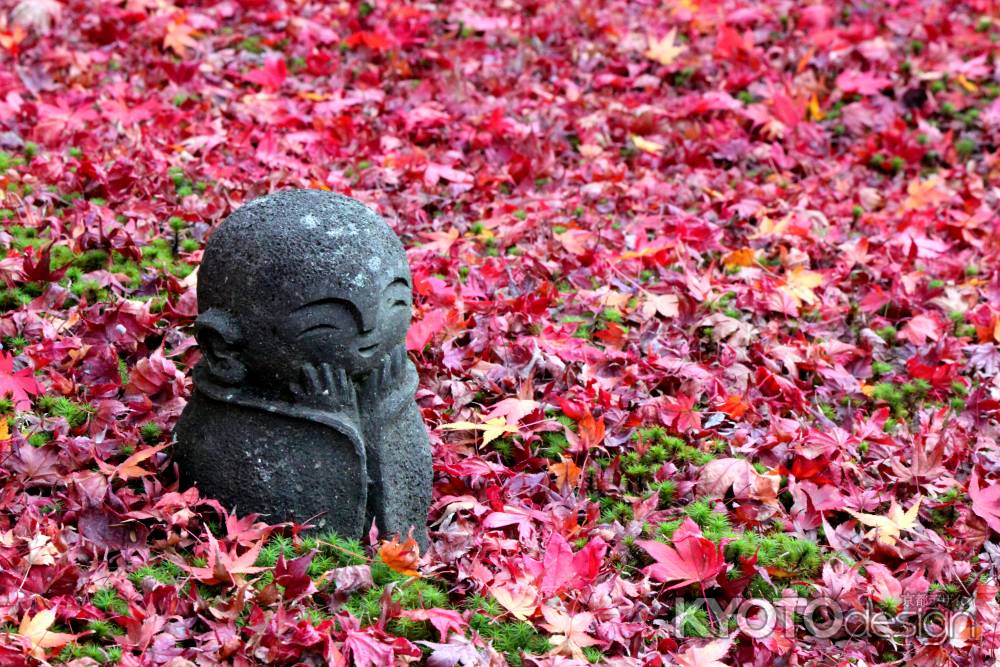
985,501
271,75
693,559
21,385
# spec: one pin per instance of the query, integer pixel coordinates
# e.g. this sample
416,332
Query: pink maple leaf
271,75
863,83
21,385
985,502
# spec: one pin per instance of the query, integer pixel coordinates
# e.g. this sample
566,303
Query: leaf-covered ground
708,293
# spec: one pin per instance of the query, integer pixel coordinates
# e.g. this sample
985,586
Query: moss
162,571
666,490
554,443
107,599
513,639
13,298
275,547
91,260
365,606
105,655
15,344
105,630
75,414
714,525
881,368
615,510
315,616
887,392
89,290
887,333
412,630
151,432
59,256
965,148
694,619
39,439
488,605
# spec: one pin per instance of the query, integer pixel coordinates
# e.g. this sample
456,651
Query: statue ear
219,338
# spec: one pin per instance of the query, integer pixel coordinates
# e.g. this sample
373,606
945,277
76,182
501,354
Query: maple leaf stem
708,608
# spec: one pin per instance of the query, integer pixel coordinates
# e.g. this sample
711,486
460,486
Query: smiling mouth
367,350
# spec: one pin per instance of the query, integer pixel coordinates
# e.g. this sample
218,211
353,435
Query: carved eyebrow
301,312
333,300
398,281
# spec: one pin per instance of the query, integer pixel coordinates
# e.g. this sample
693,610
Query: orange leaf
566,473
741,257
180,36
36,630
591,430
129,468
734,406
403,558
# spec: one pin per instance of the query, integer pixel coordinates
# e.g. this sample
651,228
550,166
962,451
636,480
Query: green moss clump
513,639
75,414
162,571
787,554
107,599
151,432
105,655
92,260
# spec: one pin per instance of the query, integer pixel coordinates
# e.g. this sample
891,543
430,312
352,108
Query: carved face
301,276
351,333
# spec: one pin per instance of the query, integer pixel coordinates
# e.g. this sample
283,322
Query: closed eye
398,292
320,328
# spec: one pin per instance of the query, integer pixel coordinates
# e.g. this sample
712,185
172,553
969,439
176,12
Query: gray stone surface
304,398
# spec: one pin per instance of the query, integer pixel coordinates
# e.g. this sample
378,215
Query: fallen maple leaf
570,630
709,655
179,37
567,473
887,528
521,600
36,630
693,559
41,551
271,76
925,193
403,558
863,83
664,50
129,468
646,145
666,305
739,258
985,501
491,428
224,567
800,283
20,385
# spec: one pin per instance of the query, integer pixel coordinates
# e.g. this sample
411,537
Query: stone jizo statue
303,406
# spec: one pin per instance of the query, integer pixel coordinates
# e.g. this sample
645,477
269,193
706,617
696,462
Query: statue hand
386,388
326,388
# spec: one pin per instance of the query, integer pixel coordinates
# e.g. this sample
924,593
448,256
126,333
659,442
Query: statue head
300,276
